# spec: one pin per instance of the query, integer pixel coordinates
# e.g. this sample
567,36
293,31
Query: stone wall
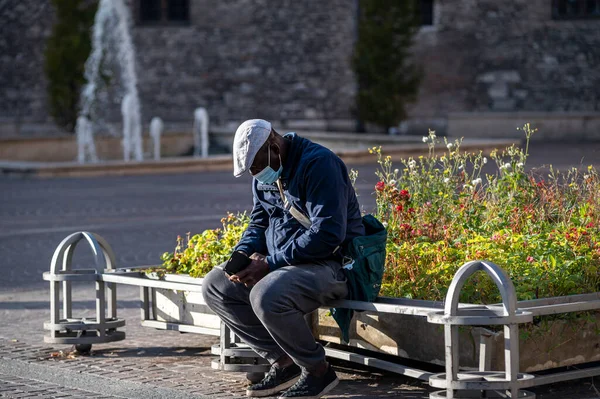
289,60
489,55
278,59
275,59
24,29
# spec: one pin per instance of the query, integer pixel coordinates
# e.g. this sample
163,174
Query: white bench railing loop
81,331
492,384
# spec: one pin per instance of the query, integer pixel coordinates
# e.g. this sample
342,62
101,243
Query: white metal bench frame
234,356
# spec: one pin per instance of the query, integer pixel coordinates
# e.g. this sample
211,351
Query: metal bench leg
225,343
485,350
145,303
451,350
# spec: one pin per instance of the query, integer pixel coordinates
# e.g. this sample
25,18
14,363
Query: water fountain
156,128
201,132
112,60
132,129
85,140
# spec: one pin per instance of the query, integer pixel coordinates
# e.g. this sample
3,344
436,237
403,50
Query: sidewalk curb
87,382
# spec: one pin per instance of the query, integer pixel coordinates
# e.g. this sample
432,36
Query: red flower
411,210
530,259
380,186
399,208
590,225
405,226
404,194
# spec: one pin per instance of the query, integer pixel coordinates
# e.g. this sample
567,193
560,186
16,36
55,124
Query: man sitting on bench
305,210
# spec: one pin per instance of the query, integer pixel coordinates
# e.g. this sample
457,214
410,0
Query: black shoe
275,381
310,386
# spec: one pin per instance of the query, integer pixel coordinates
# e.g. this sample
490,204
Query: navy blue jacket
316,182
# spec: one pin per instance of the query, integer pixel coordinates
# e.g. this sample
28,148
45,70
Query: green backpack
366,272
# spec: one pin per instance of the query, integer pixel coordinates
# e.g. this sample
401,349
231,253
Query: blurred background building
488,65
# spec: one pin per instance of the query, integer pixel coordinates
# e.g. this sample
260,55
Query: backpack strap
295,212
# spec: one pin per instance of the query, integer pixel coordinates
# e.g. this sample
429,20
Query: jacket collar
293,156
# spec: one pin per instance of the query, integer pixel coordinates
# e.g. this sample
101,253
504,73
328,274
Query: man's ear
274,143
275,147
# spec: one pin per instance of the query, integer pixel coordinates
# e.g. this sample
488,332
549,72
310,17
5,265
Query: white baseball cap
249,138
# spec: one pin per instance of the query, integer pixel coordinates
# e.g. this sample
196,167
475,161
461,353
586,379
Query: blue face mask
268,175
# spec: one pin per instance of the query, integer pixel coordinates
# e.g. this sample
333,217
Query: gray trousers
269,317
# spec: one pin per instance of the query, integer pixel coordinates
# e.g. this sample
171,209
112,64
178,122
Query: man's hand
252,274
258,256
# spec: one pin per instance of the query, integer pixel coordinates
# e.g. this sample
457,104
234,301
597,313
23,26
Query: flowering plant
444,210
201,252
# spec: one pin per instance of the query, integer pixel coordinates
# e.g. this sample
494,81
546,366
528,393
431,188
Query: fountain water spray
112,47
132,129
201,132
156,128
85,140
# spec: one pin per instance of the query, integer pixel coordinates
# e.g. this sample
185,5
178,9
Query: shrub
67,50
202,252
387,80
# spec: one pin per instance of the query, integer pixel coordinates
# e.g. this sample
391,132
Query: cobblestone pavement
18,387
164,364
148,357
140,216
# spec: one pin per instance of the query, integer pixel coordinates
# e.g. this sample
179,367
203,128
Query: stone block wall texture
278,59
290,60
489,55
25,26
